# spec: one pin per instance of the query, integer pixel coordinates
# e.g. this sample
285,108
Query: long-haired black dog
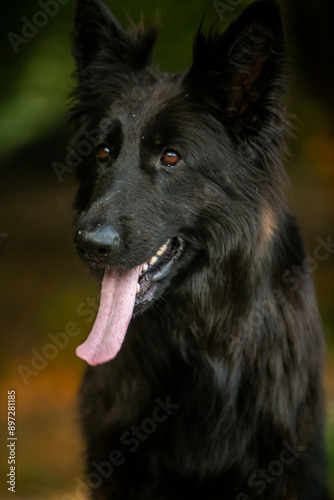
209,350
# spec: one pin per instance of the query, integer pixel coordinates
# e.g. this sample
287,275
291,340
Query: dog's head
169,162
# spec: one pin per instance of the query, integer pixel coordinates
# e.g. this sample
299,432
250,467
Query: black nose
97,245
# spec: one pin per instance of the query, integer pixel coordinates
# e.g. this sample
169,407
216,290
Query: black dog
215,392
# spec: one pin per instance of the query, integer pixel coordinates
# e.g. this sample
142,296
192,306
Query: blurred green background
43,284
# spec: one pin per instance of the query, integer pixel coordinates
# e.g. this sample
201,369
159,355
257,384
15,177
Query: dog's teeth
138,288
162,250
153,260
145,267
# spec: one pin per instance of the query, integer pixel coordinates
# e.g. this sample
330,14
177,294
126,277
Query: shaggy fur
216,392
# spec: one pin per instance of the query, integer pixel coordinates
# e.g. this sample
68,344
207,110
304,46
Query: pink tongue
117,301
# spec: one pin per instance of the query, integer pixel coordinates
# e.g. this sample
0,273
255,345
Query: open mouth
122,294
157,268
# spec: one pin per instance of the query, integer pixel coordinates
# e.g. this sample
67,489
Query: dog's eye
170,158
103,152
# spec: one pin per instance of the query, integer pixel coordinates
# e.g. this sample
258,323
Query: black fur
227,339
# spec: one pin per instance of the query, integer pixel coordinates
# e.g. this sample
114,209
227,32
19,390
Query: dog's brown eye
103,152
170,158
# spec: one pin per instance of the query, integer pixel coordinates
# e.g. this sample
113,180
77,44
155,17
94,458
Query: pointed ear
240,72
100,41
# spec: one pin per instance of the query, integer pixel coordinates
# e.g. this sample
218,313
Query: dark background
44,287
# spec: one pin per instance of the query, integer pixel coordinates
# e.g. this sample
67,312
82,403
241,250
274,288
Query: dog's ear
99,41
240,72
